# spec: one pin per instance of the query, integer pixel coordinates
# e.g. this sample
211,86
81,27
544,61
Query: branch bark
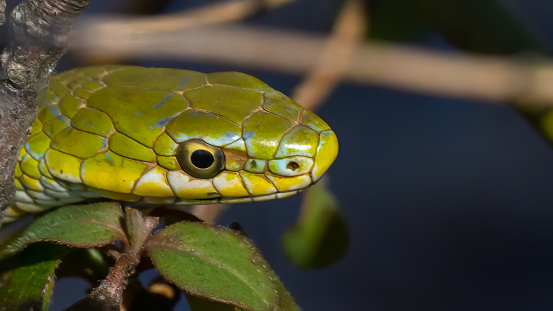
38,35
2,12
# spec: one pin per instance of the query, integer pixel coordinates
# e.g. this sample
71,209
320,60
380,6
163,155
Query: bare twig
395,66
227,11
38,31
335,59
109,294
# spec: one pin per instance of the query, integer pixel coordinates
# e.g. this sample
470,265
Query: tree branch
38,33
494,79
219,12
2,12
334,60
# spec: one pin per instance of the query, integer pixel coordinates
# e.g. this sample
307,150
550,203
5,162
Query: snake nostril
292,165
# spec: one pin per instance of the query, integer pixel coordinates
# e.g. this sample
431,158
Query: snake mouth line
224,200
278,195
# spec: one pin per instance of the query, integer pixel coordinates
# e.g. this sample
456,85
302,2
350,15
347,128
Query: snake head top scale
167,136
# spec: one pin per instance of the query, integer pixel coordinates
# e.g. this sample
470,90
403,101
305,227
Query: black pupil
202,158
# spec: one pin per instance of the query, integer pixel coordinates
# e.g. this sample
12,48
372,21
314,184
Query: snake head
166,136
244,141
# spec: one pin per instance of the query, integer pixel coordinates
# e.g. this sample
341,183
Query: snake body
167,136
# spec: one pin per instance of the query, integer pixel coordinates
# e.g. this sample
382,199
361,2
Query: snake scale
167,136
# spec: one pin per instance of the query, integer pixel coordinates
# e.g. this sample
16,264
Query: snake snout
326,154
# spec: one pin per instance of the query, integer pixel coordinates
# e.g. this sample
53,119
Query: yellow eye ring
199,159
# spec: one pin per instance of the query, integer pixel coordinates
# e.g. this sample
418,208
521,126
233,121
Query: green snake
167,136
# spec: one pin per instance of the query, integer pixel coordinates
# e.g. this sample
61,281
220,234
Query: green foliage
320,237
219,264
79,225
219,268
27,280
199,304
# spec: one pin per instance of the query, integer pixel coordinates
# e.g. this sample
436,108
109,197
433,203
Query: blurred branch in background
388,65
220,12
347,33
208,213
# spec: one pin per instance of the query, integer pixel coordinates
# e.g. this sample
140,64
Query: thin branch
496,79
38,32
334,60
110,293
221,12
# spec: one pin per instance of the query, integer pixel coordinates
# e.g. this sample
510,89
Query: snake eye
200,160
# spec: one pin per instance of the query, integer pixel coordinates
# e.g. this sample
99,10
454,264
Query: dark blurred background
449,202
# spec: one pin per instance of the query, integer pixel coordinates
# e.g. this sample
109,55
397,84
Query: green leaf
89,225
218,264
201,304
138,228
27,279
321,236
